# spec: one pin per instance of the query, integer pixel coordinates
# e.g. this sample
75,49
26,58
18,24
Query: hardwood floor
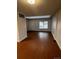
38,45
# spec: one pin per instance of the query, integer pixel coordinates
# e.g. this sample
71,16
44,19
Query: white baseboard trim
56,40
21,39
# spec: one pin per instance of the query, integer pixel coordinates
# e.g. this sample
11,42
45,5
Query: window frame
43,26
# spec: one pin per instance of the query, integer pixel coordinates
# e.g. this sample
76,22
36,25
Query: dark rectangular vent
21,15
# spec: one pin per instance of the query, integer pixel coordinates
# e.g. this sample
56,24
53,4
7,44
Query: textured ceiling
41,7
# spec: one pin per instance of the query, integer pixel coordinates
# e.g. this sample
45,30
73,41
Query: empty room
38,29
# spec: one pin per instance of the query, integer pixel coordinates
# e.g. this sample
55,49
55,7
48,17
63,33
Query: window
43,25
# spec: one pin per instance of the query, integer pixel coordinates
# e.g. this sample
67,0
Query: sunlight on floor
43,35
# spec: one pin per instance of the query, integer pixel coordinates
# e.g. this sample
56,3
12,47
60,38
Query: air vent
21,15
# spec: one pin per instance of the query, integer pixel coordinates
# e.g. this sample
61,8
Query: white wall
21,28
33,25
56,27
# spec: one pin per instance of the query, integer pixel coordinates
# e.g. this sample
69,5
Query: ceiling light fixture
31,1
